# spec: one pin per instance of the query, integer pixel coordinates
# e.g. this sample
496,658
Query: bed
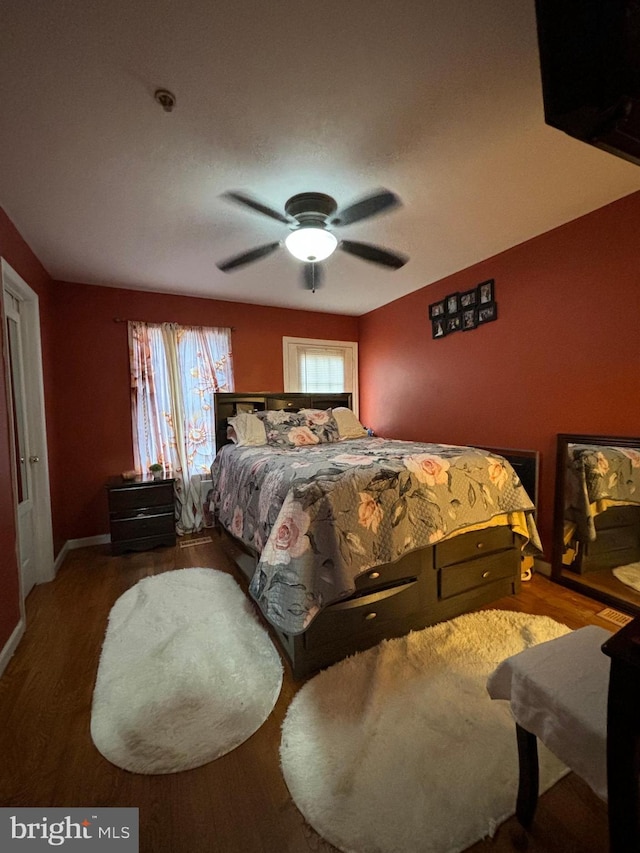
601,506
347,540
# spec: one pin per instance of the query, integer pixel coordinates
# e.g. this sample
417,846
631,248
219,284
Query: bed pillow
249,430
321,423
348,424
287,429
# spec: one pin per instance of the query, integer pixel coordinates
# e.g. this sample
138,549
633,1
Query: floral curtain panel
175,371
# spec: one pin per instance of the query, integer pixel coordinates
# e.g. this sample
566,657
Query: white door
23,364
20,436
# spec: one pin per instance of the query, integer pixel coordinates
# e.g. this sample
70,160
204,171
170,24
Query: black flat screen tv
590,67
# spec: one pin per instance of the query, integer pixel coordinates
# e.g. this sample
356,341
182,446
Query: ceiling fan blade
375,254
247,201
312,276
366,207
247,257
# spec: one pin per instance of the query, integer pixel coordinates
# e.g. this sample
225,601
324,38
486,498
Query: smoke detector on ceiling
166,99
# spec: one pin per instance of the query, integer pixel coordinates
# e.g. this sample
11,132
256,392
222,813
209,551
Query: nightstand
141,513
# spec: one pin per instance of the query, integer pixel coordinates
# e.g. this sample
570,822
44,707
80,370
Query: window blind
321,370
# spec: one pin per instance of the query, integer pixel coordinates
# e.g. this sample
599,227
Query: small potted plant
157,470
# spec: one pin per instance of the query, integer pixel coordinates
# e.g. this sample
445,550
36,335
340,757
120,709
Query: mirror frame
559,573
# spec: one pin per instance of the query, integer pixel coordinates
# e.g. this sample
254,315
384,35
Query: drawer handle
374,576
479,545
370,616
486,574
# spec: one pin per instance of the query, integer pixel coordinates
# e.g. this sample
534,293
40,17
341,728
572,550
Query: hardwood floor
604,581
239,802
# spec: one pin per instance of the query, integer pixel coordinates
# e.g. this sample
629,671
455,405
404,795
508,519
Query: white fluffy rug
399,749
629,575
186,673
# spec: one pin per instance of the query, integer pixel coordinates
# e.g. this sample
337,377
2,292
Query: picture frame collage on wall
465,310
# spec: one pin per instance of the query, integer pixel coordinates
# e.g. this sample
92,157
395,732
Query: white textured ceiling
439,101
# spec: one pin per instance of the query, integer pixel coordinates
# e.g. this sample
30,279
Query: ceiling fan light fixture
311,244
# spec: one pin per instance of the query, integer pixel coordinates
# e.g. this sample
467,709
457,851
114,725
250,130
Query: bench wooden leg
529,778
623,758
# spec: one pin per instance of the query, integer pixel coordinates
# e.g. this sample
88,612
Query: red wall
91,439
16,252
563,355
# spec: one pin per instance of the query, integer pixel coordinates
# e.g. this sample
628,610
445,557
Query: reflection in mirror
596,545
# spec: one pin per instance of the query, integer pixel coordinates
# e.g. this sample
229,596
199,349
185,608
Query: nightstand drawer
141,513
143,495
142,526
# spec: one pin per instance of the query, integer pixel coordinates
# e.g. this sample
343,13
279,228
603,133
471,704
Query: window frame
290,363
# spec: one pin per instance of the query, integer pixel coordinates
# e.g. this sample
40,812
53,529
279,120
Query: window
175,370
316,366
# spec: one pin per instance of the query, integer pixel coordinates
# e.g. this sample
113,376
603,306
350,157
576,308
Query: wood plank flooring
239,803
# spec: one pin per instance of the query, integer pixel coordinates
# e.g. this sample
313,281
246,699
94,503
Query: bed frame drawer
364,617
467,546
407,568
617,540
617,516
286,403
472,574
613,539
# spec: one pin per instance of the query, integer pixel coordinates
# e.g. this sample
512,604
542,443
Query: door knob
33,459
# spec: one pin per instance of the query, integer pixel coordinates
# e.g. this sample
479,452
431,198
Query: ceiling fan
312,217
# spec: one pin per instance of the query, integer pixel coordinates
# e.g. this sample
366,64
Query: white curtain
175,371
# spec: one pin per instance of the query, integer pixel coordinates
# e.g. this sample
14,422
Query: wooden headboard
526,464
228,404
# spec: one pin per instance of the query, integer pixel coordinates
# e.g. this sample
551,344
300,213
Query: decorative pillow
249,430
348,424
321,423
287,429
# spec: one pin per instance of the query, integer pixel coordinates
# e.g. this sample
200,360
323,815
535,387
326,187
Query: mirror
596,547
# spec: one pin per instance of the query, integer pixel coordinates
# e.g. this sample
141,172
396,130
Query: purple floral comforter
319,516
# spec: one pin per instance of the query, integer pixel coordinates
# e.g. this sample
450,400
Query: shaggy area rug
186,673
399,749
629,575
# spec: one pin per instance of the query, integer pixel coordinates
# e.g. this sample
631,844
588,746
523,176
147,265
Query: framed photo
468,299
454,323
469,319
485,291
437,309
487,313
438,327
453,303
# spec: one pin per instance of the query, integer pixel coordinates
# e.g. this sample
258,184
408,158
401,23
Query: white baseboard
86,542
11,645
